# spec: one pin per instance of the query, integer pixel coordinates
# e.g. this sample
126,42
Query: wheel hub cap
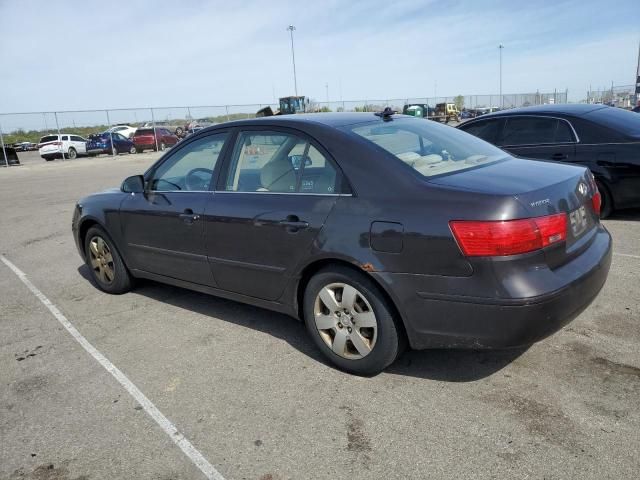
101,260
345,321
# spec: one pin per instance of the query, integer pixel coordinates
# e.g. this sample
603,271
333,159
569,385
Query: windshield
49,138
618,119
428,147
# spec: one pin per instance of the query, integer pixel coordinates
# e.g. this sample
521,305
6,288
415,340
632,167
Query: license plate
579,221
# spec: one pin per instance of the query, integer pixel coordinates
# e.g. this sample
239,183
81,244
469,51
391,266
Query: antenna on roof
386,114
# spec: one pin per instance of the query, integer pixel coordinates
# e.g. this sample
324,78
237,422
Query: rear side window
529,131
75,138
487,130
65,138
279,163
564,133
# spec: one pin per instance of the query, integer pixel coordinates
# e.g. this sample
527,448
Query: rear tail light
508,237
596,201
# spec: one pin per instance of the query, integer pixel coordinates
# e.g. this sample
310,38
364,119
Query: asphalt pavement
249,391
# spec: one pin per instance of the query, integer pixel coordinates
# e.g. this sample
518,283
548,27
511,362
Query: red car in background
145,139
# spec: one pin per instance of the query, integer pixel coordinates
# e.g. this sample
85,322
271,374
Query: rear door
79,143
163,227
273,197
540,137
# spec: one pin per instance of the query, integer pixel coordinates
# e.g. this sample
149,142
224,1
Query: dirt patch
41,239
30,385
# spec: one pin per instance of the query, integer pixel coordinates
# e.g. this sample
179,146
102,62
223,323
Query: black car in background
604,139
376,230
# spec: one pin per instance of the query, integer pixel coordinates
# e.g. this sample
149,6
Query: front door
273,198
543,138
163,227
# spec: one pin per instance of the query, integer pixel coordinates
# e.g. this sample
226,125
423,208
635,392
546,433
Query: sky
76,55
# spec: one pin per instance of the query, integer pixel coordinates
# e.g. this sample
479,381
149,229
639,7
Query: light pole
326,85
291,28
501,47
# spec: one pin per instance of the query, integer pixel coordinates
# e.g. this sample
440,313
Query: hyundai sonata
377,230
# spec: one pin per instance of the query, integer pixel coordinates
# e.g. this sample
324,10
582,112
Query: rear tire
607,203
107,268
357,332
163,147
139,150
72,153
133,150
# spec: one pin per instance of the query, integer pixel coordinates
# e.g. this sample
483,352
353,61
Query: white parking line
628,255
185,445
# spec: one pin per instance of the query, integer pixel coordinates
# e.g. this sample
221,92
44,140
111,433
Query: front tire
107,268
351,322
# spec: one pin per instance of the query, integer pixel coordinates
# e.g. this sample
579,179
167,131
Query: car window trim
551,144
345,185
185,143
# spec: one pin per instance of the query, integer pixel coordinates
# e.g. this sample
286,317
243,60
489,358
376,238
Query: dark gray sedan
379,231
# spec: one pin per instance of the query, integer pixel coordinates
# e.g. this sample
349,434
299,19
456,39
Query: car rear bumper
437,320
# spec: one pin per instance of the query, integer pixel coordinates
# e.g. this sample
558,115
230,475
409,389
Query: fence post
4,152
55,114
153,122
113,150
226,107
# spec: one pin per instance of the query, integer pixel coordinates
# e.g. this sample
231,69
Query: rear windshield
617,119
428,147
49,138
144,131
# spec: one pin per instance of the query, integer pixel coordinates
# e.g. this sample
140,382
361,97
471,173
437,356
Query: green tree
459,101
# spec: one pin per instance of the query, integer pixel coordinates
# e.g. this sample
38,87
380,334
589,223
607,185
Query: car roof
338,119
573,109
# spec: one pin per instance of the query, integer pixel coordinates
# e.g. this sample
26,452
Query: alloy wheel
345,321
101,260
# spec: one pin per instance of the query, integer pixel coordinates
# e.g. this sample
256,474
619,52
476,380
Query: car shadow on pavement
442,364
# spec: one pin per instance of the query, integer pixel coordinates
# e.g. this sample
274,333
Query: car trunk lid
543,188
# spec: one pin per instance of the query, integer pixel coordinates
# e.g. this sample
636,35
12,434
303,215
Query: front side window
279,163
428,147
529,131
191,167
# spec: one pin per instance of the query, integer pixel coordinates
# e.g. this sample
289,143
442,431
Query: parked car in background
145,139
102,143
604,139
374,230
25,146
62,146
124,130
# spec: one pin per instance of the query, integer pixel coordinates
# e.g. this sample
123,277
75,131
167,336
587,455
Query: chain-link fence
622,96
23,131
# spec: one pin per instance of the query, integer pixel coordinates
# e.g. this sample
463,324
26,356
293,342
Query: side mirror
134,184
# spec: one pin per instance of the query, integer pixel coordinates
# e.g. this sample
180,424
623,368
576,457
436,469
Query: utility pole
326,85
501,47
291,28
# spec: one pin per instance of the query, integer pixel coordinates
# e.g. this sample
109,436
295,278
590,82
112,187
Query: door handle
188,216
292,223
559,156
